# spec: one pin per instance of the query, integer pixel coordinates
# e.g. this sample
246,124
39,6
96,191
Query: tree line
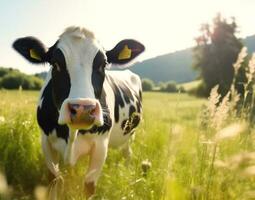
14,79
170,86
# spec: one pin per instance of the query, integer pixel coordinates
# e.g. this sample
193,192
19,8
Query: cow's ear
124,51
31,48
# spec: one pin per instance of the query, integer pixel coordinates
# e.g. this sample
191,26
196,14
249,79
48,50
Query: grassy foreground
174,155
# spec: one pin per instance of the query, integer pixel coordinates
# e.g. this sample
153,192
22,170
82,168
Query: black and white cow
84,108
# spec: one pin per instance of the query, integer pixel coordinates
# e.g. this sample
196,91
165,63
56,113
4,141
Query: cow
84,108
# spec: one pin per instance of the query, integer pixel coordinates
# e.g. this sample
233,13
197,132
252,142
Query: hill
175,66
250,43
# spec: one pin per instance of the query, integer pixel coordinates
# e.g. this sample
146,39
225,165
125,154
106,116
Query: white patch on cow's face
79,52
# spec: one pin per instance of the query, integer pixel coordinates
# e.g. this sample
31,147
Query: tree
147,85
16,79
216,50
3,71
169,87
12,81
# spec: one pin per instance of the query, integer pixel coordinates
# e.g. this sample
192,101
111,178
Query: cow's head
78,72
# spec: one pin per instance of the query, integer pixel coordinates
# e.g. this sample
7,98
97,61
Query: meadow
178,153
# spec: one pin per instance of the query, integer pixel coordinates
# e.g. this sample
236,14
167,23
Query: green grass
20,152
170,137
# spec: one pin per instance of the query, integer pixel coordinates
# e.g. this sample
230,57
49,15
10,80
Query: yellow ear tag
34,55
125,53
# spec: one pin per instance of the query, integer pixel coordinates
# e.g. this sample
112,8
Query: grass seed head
241,160
249,171
251,69
230,131
240,59
221,113
214,99
220,164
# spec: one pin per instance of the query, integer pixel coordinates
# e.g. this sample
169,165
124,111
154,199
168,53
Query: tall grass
20,156
215,159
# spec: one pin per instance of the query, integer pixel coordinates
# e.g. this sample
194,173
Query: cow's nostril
73,108
72,111
92,112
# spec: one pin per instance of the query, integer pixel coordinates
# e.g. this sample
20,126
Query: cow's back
127,91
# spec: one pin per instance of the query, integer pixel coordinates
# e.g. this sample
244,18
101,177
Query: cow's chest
81,145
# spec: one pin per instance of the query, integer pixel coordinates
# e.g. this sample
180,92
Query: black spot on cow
131,110
135,119
98,73
101,129
123,124
47,115
118,99
62,131
128,125
106,114
120,89
138,101
61,83
138,106
140,95
126,91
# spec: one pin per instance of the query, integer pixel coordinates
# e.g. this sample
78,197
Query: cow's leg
69,152
97,158
52,161
51,156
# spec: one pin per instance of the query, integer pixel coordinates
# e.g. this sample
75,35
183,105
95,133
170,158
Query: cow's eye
56,66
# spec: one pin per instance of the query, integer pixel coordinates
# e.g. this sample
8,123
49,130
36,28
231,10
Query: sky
163,26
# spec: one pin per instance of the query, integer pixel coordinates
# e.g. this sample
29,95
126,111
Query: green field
185,161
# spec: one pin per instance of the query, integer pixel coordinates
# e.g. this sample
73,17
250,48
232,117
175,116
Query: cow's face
78,72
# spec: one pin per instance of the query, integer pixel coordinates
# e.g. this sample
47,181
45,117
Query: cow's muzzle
81,113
